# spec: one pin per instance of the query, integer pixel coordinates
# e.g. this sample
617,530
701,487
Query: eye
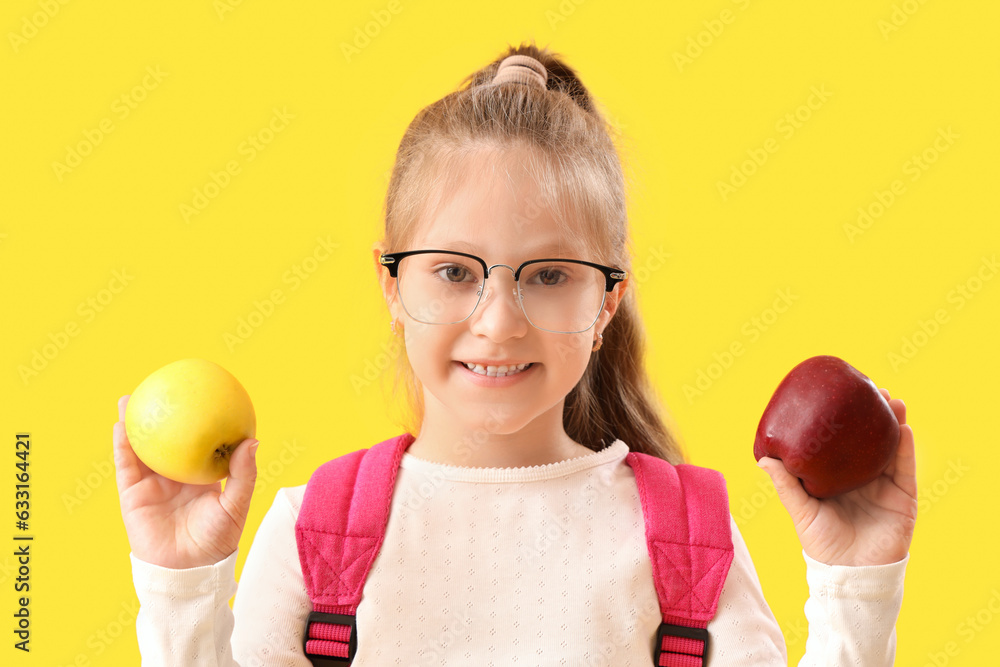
549,276
454,273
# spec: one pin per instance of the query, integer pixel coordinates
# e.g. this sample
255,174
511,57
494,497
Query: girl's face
502,221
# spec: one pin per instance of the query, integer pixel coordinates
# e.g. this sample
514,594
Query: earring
598,342
392,325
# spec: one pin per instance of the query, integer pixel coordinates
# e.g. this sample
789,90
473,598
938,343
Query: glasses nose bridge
489,270
489,274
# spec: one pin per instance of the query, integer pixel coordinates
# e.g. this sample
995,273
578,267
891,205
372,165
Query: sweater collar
615,452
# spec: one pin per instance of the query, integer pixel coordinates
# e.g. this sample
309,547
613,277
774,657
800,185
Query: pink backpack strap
690,544
339,531
345,509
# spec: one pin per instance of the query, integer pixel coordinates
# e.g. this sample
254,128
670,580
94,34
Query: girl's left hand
872,525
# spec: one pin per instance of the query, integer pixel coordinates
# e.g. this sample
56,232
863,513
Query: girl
515,533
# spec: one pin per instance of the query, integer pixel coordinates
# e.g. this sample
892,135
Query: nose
489,291
499,318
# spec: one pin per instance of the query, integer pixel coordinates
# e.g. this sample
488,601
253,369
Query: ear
611,302
386,282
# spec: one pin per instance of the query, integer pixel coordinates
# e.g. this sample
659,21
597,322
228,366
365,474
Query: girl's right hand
179,525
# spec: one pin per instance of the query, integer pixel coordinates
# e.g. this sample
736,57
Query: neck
495,440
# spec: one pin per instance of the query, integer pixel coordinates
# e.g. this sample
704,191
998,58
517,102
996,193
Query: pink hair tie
521,69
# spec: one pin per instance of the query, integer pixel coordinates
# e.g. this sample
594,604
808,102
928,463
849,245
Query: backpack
346,506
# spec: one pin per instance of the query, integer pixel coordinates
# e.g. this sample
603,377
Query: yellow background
896,73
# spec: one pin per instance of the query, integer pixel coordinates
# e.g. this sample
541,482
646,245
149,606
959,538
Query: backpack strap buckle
680,646
331,640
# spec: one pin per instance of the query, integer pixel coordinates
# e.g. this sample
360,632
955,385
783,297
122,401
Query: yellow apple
185,420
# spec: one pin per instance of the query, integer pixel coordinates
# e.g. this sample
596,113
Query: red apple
829,425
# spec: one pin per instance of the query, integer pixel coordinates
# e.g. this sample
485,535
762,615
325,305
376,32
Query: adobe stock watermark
121,108
464,448
373,367
468,445
425,490
557,526
223,7
158,413
899,16
656,260
930,495
914,167
794,632
751,330
249,149
8,568
786,126
967,630
101,639
751,506
713,28
562,12
273,466
31,24
390,351
437,648
86,485
647,614
88,310
571,344
963,293
363,35
265,647
264,308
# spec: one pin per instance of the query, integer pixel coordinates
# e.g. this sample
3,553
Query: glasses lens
562,296
439,288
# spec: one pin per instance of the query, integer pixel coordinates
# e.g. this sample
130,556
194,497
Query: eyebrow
463,246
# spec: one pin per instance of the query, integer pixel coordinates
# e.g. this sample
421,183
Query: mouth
497,371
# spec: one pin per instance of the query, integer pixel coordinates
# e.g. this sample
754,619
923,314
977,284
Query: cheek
425,346
571,356
574,349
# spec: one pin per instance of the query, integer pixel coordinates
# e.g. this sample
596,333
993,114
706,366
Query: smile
496,371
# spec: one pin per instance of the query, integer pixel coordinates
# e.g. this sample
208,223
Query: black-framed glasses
446,287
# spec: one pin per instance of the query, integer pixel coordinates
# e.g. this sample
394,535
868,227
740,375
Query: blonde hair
559,137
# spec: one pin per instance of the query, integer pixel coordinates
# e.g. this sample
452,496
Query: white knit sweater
539,565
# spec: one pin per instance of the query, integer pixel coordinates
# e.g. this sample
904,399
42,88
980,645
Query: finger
905,473
797,502
898,409
238,490
128,467
122,402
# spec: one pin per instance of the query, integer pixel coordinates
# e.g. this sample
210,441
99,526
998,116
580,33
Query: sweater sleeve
851,612
184,614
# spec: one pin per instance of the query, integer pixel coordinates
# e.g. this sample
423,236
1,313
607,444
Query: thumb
238,489
790,492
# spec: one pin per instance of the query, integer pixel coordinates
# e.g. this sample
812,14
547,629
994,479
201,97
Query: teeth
496,371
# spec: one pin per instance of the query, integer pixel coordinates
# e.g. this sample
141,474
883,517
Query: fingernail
253,448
